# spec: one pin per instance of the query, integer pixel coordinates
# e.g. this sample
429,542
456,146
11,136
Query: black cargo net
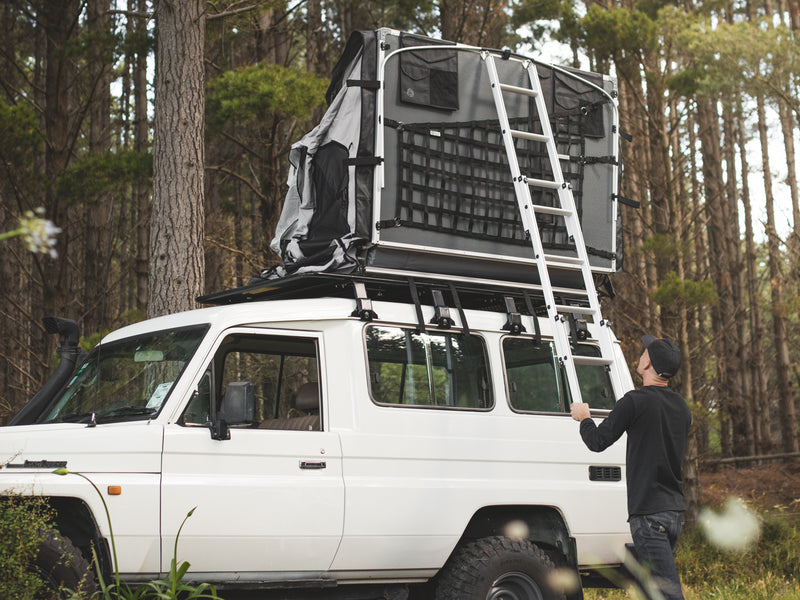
454,178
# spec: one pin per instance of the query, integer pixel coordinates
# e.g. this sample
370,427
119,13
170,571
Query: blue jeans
655,538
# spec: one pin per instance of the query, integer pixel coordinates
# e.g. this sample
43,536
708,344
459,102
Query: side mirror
238,408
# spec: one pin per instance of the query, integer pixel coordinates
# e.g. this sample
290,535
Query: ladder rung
591,360
536,137
552,185
572,260
551,210
518,90
576,310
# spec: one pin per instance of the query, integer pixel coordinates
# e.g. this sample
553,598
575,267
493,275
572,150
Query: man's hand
580,411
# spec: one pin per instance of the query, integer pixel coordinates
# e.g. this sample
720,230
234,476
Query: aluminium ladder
566,210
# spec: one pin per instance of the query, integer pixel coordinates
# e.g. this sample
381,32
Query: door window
276,377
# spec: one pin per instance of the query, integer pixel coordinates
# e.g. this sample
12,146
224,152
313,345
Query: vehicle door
269,492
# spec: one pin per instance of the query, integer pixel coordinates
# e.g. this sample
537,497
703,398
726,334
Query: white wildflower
38,233
735,528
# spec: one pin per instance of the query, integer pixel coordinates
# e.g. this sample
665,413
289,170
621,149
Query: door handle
313,464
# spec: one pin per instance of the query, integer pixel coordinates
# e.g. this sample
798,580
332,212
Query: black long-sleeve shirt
657,422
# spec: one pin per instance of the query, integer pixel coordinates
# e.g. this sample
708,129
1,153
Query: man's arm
599,437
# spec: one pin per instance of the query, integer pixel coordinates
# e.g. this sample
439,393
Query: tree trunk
97,210
177,229
788,425
755,364
722,271
141,143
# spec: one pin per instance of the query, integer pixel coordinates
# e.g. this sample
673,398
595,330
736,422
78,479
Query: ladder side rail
572,222
527,214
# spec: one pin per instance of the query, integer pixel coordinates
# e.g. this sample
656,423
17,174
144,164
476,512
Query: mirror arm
219,429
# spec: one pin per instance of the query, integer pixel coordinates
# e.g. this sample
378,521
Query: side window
276,377
594,380
537,384
438,369
533,380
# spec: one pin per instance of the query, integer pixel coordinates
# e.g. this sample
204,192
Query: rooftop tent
406,172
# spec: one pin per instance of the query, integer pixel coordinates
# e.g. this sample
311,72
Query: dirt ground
775,485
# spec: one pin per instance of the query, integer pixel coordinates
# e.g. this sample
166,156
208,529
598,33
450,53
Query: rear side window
594,380
537,383
435,369
533,379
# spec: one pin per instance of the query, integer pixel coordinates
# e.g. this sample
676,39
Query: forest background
155,134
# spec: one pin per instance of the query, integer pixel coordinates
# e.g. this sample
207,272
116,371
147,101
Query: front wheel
498,568
61,566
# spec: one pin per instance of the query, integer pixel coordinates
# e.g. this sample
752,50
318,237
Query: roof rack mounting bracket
579,332
363,304
514,318
441,316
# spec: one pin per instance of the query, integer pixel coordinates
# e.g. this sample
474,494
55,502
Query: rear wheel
62,566
498,568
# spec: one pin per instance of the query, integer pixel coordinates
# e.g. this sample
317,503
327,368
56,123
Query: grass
769,569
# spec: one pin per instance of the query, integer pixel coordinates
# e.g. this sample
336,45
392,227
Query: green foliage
775,556
19,130
538,16
688,291
96,174
723,59
768,570
24,522
21,144
619,33
250,93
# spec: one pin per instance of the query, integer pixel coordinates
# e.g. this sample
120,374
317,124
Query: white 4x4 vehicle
382,438
401,422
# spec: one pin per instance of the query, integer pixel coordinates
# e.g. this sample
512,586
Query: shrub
24,523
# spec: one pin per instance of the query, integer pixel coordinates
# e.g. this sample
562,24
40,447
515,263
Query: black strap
601,253
597,160
412,286
367,84
537,338
363,161
627,201
388,223
459,308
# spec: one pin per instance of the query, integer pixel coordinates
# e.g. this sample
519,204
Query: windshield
126,380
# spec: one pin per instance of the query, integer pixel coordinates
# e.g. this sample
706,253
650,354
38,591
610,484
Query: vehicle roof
248,313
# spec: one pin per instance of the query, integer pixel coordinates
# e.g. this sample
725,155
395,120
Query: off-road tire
62,566
498,568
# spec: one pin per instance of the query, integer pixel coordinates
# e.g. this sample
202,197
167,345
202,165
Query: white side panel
120,454
256,509
415,476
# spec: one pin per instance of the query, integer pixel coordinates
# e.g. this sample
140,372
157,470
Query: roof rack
468,293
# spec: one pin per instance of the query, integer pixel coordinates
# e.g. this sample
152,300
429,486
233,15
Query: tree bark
141,143
97,210
177,229
788,425
755,356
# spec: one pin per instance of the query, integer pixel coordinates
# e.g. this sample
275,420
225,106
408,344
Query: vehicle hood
131,447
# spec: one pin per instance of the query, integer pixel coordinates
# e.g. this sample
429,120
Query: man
657,422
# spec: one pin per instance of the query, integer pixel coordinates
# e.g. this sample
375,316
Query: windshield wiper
128,411
73,417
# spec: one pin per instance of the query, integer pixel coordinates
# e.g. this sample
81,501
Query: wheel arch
543,525
75,521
